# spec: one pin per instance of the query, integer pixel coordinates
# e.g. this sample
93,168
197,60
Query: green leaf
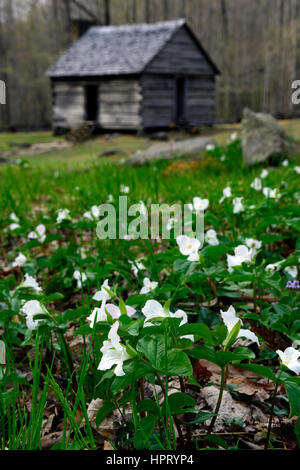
197,329
260,370
202,416
176,363
232,335
182,266
153,348
204,352
214,253
208,317
144,433
177,402
293,393
122,306
104,411
148,406
133,372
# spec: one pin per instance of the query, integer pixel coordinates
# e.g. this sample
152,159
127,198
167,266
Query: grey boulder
170,150
263,138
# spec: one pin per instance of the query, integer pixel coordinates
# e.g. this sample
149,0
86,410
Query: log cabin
134,77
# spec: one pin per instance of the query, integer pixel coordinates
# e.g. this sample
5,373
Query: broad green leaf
176,363
197,329
260,370
144,433
293,393
148,406
153,348
104,411
177,402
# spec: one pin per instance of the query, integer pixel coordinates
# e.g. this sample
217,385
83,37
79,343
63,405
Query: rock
263,138
167,151
111,152
229,407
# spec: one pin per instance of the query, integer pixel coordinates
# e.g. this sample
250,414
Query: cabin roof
118,50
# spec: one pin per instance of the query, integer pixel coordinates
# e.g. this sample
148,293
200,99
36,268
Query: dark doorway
91,102
180,97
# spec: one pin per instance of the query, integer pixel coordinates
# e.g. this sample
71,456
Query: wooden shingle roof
117,50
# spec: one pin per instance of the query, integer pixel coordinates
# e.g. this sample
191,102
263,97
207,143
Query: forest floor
191,380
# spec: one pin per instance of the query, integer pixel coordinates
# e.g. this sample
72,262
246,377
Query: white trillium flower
233,136
223,158
14,218
31,282
297,170
200,204
290,359
19,261
102,294
95,212
38,234
285,163
63,214
254,245
148,286
124,189
210,147
13,227
194,257
226,194
30,309
238,206
211,238
189,247
80,278
292,271
88,215
271,193
273,267
114,353
264,174
241,255
230,319
154,309
136,267
257,184
100,314
110,198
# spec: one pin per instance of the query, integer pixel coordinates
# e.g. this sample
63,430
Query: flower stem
272,413
222,388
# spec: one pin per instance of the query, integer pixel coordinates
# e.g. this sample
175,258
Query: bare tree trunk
147,11
107,12
182,9
224,19
134,11
166,9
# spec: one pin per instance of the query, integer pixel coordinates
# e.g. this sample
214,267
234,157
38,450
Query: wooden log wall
120,104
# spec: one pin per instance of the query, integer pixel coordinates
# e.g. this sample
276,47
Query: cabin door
180,99
91,103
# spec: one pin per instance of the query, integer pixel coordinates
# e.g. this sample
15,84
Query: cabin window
180,99
91,102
